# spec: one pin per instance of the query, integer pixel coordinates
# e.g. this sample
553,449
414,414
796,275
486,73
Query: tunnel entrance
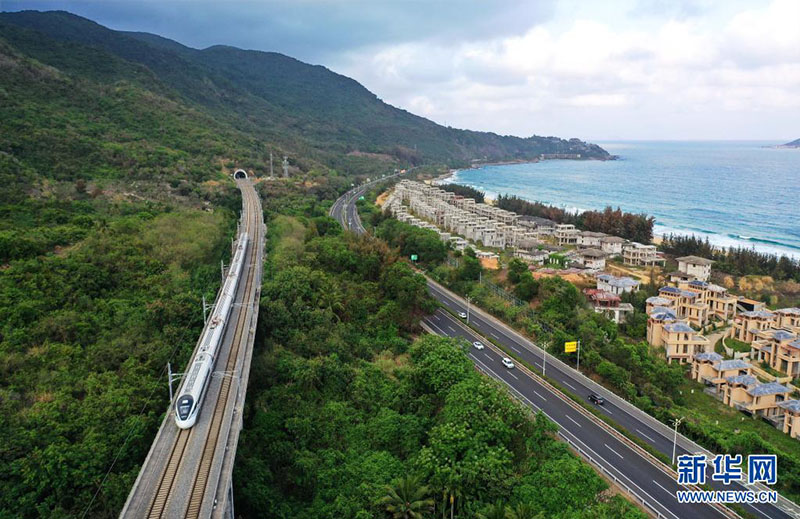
240,173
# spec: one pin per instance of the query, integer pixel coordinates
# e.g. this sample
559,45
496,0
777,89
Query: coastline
721,239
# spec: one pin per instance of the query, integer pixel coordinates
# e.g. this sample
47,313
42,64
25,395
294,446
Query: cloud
311,30
622,68
598,78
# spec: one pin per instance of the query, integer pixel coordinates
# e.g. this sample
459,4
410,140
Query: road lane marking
513,375
607,411
513,348
664,489
612,450
569,385
451,328
571,420
643,434
586,447
487,356
540,396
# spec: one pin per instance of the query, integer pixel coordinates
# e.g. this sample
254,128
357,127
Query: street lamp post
544,359
469,300
676,422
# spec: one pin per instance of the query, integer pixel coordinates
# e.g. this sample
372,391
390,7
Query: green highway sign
414,257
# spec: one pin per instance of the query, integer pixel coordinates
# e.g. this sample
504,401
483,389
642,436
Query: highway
633,420
345,211
187,472
615,457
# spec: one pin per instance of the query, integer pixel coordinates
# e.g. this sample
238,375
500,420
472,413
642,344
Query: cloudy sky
612,69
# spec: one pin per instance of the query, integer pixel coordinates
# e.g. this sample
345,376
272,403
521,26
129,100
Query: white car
478,345
508,363
462,315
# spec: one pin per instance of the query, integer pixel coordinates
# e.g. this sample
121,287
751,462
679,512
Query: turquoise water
734,193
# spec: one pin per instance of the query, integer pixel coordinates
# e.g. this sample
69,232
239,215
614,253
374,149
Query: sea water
733,193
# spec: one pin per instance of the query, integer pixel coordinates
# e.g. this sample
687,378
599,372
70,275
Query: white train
190,396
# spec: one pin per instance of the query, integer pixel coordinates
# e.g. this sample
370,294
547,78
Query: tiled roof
788,311
689,294
592,253
708,355
657,301
663,314
725,365
618,282
790,405
758,313
770,388
696,260
698,283
782,335
745,380
678,326
671,290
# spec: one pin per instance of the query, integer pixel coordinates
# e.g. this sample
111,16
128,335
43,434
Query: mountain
794,144
243,100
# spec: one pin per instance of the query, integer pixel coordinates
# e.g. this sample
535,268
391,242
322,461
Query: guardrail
655,462
582,452
659,427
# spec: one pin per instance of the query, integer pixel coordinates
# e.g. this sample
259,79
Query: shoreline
721,242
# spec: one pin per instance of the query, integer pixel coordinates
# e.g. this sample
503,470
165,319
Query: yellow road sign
570,347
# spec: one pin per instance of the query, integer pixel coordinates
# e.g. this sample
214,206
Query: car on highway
478,345
596,399
462,315
508,363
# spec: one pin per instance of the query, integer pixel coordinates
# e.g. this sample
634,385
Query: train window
185,407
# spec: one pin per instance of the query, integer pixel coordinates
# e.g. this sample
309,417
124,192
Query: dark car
597,399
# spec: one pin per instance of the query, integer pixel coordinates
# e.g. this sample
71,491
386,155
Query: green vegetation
85,335
619,357
739,261
736,345
635,227
350,416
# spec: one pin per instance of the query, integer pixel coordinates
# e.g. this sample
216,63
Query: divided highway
187,472
619,459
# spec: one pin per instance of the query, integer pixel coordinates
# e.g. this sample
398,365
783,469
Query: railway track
160,505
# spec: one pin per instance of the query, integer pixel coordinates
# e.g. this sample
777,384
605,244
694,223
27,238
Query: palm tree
521,511
406,499
495,511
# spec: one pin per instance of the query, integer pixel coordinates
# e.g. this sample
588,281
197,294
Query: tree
516,268
527,288
495,511
407,498
521,511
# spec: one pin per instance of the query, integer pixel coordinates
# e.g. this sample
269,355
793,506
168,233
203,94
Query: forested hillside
115,211
307,110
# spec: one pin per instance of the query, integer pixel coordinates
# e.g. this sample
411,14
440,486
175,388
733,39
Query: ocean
734,192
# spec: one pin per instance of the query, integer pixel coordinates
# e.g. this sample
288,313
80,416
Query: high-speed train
190,396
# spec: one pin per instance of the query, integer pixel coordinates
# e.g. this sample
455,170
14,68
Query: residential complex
774,337
687,304
732,382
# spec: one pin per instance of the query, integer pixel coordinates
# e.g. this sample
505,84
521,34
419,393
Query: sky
598,70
